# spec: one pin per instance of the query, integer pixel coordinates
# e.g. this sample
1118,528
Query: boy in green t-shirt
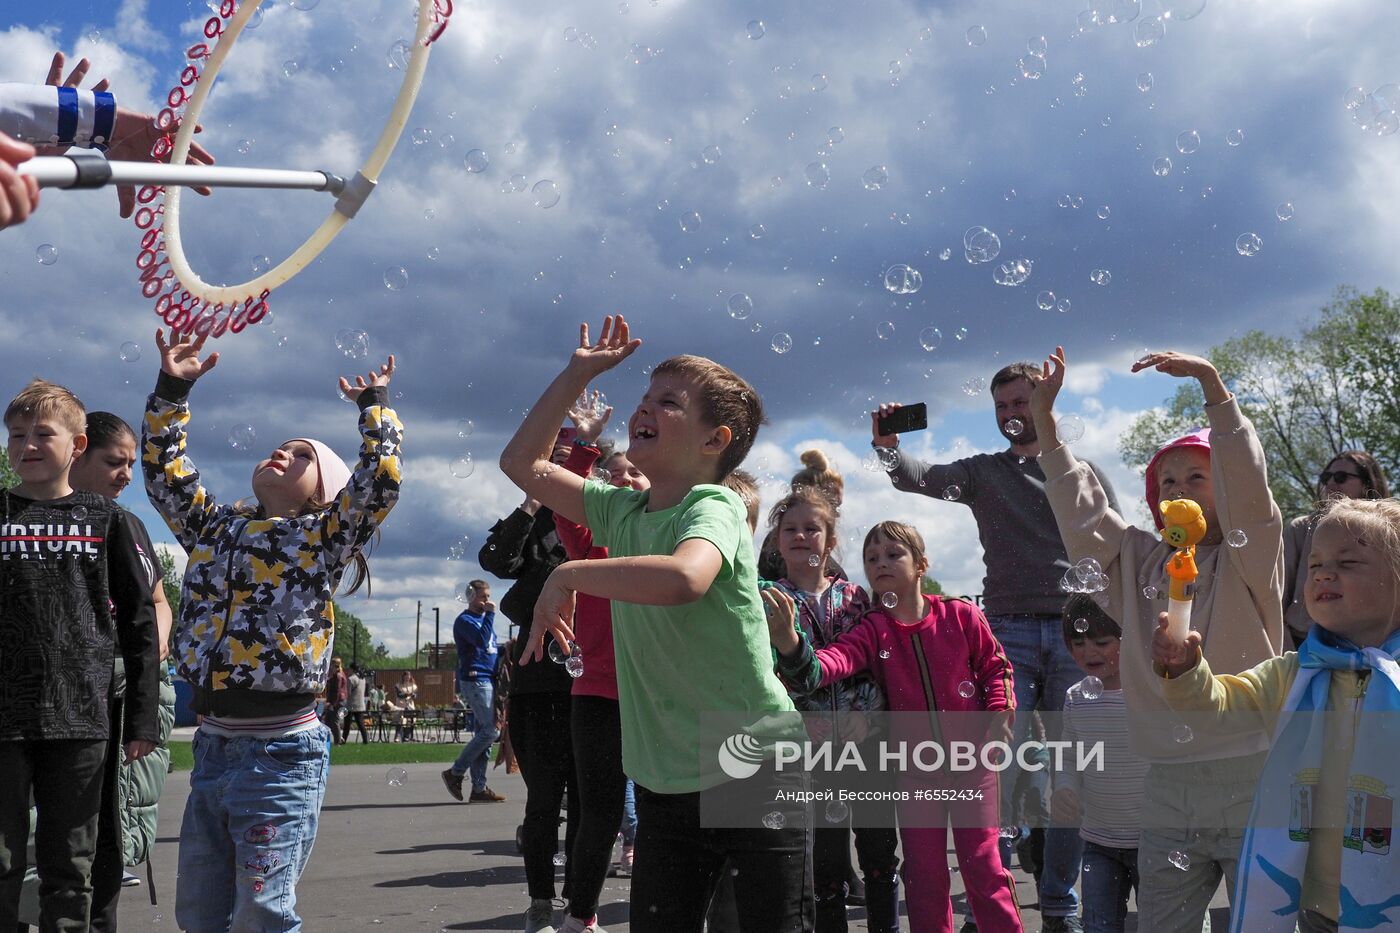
688,626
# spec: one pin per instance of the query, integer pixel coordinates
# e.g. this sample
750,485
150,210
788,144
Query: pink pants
991,891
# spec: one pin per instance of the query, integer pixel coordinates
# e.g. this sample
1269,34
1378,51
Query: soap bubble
819,83
813,560
47,254
902,279
1032,66
463,466
476,161
434,252
421,136
889,600
1284,211
1149,592
740,306
1183,734
397,56
1014,427
559,859
1045,301
1069,429
711,154
875,177
1182,10
885,330
396,278
557,653
1236,538
1100,277
1234,138
977,35
1104,212
952,492
774,820
817,174
353,343
1009,832
260,265
782,342
1081,625
1036,45
546,194
974,386
1145,81
837,811
980,245
1162,167
396,777
465,427
130,352
574,666
458,549
1188,142
690,221
1012,273
290,68
756,29
1149,31
967,690
1091,686
242,436
884,654
78,513
515,182
835,135
930,338
1118,11
1248,244
1062,306
1180,859
757,231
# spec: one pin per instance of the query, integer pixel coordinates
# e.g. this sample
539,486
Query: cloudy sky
787,152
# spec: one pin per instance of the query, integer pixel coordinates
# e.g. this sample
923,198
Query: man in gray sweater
1021,595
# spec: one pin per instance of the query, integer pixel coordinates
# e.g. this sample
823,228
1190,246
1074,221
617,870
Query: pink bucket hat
1199,438
332,475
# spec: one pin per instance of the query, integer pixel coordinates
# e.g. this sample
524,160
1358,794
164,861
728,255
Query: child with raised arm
1318,852
254,637
688,627
1193,787
932,655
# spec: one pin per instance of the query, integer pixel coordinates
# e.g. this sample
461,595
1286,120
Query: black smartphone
904,419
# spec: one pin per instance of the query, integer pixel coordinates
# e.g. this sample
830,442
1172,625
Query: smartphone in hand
904,419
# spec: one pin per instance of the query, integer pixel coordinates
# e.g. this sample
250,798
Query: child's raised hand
379,377
1181,365
1176,657
1052,379
554,615
781,613
180,357
876,438
588,418
614,345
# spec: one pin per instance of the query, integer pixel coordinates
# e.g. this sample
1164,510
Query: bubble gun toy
1183,526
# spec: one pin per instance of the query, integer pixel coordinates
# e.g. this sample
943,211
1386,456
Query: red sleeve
989,660
576,538
849,654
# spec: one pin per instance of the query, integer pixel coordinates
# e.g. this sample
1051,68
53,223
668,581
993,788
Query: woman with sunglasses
1352,474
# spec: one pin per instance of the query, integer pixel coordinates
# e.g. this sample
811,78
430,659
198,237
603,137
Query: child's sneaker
540,917
453,782
575,925
1061,925
486,795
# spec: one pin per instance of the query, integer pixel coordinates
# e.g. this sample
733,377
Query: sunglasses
1338,476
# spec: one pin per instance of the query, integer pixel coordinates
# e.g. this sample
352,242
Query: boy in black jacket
73,594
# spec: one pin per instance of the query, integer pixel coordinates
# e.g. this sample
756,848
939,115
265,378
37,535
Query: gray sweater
1021,543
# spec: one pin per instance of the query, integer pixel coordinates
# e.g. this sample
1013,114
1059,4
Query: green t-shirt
676,662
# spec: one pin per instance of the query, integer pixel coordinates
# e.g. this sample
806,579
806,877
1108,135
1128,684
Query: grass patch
375,753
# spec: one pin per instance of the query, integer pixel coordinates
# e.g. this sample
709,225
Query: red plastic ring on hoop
259,310
213,28
166,120
197,52
148,239
189,76
177,97
149,193
147,258
228,8
160,149
152,288
145,217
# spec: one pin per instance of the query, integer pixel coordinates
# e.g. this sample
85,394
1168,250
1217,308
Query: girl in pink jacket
929,655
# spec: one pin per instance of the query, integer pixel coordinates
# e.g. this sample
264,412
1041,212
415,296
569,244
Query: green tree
353,641
930,587
8,478
170,579
1333,387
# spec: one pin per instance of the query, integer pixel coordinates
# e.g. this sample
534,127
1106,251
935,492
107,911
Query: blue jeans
250,822
1109,876
629,815
480,697
1043,670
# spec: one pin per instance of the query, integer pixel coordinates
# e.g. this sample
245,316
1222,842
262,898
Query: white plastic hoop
303,255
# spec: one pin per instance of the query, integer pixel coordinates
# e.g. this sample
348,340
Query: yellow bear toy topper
1183,527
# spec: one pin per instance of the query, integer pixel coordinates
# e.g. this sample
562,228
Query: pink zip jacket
928,661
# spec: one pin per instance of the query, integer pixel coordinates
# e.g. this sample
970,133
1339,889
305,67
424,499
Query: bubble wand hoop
183,300
1183,526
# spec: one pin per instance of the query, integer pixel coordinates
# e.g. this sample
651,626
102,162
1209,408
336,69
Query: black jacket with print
526,548
74,594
